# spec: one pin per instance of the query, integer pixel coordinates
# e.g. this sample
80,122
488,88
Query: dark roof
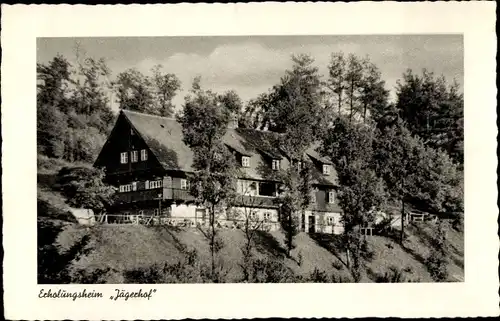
164,137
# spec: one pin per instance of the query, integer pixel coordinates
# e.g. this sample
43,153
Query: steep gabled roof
164,137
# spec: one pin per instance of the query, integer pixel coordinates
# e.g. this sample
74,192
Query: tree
361,191
353,79
436,262
165,87
336,80
133,91
83,187
251,225
52,101
295,101
398,158
204,122
433,110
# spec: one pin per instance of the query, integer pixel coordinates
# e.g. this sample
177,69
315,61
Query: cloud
251,68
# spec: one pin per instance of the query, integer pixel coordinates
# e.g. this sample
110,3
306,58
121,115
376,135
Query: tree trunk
402,221
212,240
351,94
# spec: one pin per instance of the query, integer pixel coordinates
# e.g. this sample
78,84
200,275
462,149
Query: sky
251,65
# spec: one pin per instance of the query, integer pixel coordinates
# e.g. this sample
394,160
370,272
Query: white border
477,296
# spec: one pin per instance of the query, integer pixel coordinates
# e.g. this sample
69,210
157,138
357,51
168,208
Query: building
146,159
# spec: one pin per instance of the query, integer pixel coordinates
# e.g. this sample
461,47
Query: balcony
176,194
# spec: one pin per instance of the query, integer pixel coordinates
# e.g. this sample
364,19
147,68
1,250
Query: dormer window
245,161
326,169
276,164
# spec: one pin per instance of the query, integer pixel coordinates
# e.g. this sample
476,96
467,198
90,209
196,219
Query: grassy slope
124,248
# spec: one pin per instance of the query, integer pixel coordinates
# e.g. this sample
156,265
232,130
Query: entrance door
303,223
312,224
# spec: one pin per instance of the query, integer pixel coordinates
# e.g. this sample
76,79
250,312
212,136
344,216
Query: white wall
321,222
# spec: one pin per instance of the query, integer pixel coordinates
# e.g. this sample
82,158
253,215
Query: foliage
270,271
436,262
361,191
204,121
293,104
73,112
84,188
433,110
354,86
394,275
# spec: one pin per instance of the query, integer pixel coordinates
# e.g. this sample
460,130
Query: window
125,188
326,169
146,185
330,220
134,186
276,164
124,158
253,215
267,216
134,156
184,184
245,161
299,165
144,155
313,197
331,197
141,212
267,189
155,184
156,211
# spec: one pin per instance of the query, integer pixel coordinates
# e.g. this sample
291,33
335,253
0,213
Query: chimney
233,122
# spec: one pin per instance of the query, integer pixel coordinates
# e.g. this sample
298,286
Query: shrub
337,265
436,263
458,223
268,271
318,276
393,275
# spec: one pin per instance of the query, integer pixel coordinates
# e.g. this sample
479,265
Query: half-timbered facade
146,159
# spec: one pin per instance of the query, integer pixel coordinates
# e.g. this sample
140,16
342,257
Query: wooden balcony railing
154,194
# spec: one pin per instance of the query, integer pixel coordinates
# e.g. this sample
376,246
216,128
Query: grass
69,252
118,249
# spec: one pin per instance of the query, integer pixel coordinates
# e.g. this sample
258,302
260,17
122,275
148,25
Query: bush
458,223
436,264
268,271
393,275
337,265
318,276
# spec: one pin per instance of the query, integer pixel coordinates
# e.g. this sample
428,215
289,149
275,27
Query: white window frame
253,215
331,197
245,161
326,169
330,220
184,184
134,186
124,158
267,216
125,188
146,185
275,165
156,211
155,184
134,156
144,155
299,165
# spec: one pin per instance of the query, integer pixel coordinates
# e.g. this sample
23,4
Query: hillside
72,253
107,253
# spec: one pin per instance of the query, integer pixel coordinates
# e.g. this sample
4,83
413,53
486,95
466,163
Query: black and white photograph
268,159
249,160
